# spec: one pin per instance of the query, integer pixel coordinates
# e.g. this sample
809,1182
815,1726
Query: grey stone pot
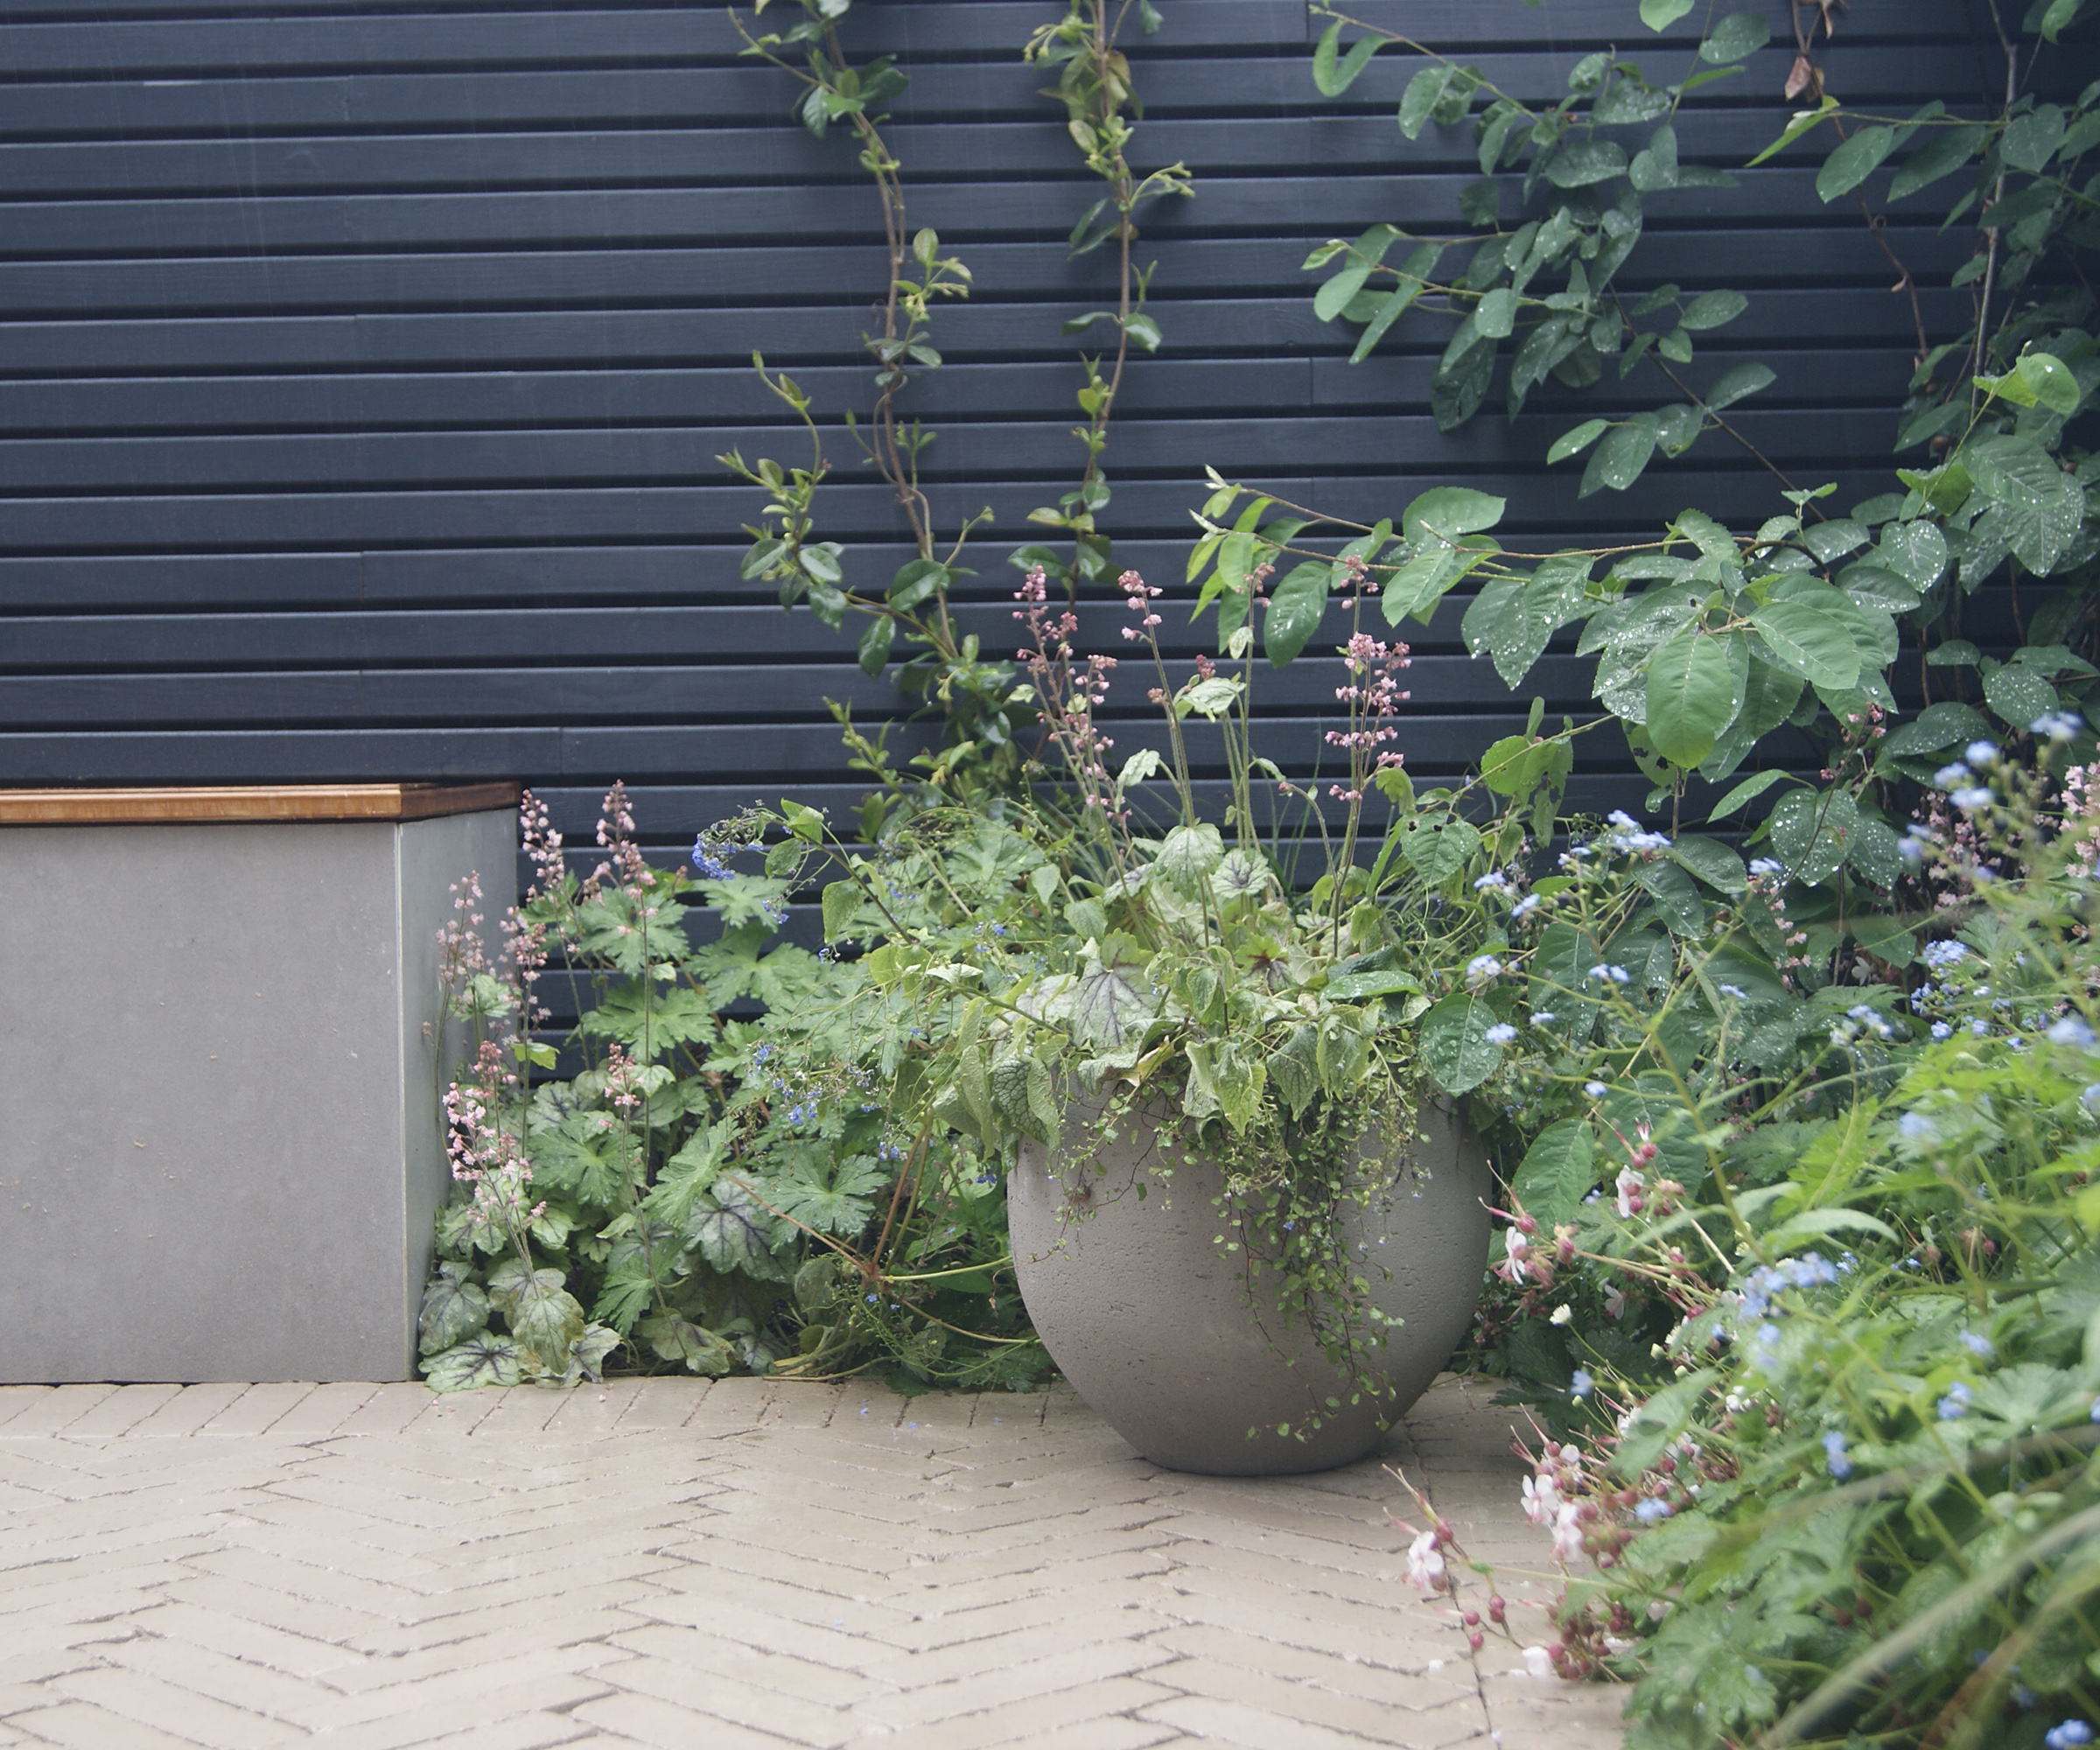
1154,1326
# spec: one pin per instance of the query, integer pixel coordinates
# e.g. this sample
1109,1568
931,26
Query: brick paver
746,1563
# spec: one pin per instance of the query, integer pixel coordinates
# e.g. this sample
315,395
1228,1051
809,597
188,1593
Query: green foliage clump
668,1201
1820,1412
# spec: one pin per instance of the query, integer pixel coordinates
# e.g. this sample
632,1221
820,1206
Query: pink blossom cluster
1372,696
483,1153
616,834
1067,699
1767,882
542,844
1139,597
621,1072
460,953
2082,818
525,947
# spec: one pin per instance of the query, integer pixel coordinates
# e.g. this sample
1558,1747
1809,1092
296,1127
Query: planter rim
208,803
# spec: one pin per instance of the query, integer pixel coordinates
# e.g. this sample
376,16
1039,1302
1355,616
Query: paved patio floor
740,1566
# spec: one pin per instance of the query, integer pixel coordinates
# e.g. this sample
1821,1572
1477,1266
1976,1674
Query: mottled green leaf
1296,609
454,1308
1811,830
1455,1047
486,1359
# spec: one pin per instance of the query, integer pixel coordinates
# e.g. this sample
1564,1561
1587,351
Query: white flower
1516,1245
1541,1500
1537,1662
1563,1314
1615,1302
1629,1183
1567,1532
1425,1563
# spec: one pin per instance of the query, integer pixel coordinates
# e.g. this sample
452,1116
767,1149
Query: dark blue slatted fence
362,366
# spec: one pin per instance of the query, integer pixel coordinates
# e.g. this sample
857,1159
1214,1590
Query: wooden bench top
209,802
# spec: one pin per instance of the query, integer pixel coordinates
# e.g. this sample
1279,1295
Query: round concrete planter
1154,1326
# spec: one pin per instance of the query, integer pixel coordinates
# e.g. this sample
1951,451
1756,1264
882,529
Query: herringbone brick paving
745,1566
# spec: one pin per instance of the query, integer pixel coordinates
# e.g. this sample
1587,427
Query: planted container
1158,1325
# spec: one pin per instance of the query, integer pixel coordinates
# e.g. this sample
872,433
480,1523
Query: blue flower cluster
707,859
1835,1455
2072,1030
1917,839
1860,1018
1814,1270
1630,836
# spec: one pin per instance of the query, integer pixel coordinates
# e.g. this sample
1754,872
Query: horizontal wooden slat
991,28
767,754
1177,448
393,402
974,147
1037,210
322,518
493,694
285,94
408,582
1237,297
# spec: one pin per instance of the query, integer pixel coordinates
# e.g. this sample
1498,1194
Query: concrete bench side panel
219,1151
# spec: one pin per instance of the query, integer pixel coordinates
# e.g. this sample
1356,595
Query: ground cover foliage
1799,1114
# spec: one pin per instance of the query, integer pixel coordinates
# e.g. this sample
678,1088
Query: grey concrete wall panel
219,1150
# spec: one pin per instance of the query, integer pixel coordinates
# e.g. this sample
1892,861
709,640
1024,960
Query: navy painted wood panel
362,367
